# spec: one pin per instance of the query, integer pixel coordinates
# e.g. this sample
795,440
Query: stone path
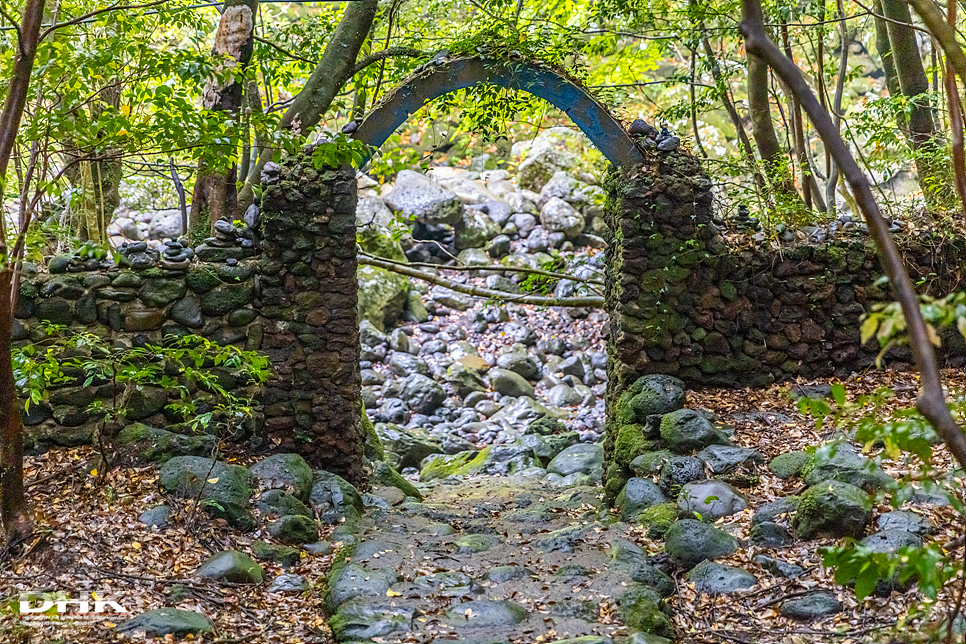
492,560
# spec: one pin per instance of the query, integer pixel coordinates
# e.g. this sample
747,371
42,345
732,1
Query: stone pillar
309,294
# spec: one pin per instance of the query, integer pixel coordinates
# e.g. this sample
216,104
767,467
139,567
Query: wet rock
813,606
714,578
711,499
167,621
841,462
771,535
834,509
643,610
690,542
231,566
583,458
654,578
287,472
686,430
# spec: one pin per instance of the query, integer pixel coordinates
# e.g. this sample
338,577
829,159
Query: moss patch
658,519
456,465
631,442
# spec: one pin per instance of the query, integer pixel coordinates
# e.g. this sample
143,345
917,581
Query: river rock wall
285,285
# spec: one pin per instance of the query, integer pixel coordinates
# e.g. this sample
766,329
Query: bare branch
408,52
536,300
97,12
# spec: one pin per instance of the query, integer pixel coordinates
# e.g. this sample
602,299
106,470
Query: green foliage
888,325
190,366
339,151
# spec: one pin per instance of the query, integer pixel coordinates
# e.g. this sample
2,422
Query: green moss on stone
385,475
658,519
623,410
785,466
460,464
631,442
642,610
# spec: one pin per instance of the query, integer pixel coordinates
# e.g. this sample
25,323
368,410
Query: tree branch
268,42
931,403
98,12
382,54
368,260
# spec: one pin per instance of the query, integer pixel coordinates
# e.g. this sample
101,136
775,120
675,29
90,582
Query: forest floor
489,540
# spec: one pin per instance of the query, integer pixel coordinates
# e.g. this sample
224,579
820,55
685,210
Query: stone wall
293,297
683,302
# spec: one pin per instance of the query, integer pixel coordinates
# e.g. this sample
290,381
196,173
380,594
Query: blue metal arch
445,76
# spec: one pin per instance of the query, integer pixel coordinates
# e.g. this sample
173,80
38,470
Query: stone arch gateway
446,76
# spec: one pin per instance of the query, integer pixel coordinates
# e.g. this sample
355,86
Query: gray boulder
474,229
231,566
713,578
421,394
334,498
637,495
509,383
517,360
382,296
689,542
225,490
450,298
167,621
559,216
721,459
584,458
813,606
840,461
685,430
711,499
287,472
834,509
415,195
294,529
543,160
141,442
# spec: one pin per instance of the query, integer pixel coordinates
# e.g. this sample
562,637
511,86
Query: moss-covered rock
285,472
294,529
224,489
384,474
833,508
140,441
658,519
335,498
785,466
374,449
689,542
642,609
686,430
650,463
382,296
840,461
444,465
631,442
285,555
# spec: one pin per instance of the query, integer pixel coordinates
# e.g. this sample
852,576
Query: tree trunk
333,71
932,163
17,524
778,175
215,194
931,402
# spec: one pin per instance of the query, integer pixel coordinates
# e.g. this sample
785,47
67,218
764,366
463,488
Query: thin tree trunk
17,524
215,193
776,170
955,116
833,177
922,132
729,106
694,107
333,71
932,402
